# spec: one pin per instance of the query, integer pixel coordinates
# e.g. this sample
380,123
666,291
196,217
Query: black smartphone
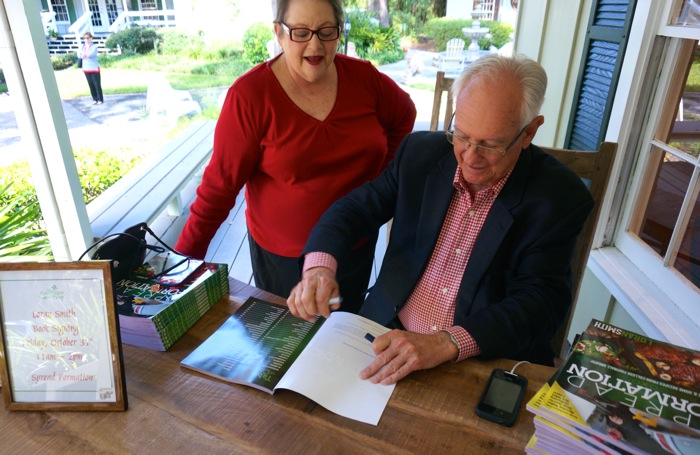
501,399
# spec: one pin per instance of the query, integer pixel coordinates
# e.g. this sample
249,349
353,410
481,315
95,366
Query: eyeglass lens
305,34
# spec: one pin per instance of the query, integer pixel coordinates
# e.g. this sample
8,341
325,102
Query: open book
264,346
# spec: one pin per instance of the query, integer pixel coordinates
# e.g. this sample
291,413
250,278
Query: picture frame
60,346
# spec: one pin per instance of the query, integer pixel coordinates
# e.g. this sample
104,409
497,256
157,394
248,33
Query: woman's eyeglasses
302,35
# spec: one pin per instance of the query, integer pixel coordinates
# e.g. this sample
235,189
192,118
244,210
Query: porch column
31,82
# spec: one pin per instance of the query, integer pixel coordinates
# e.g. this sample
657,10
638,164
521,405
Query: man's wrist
319,259
453,340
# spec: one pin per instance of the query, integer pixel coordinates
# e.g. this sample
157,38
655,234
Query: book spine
173,321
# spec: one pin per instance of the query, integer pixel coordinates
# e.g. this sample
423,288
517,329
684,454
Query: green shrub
21,236
97,170
499,34
135,39
372,42
176,42
421,10
100,169
21,226
61,62
444,29
255,43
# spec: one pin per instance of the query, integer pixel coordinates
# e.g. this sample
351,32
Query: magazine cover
155,317
630,391
574,438
146,298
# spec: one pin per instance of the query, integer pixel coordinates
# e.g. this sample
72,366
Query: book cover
155,317
169,269
628,391
264,346
546,426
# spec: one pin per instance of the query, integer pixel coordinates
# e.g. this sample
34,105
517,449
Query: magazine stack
619,392
154,314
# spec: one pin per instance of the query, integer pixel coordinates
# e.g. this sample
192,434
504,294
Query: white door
104,13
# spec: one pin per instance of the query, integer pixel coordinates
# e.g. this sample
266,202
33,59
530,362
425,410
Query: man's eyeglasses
452,137
302,35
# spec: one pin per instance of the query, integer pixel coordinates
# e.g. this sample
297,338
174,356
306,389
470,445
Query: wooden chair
442,84
594,168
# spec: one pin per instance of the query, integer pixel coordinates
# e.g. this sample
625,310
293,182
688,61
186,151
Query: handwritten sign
59,336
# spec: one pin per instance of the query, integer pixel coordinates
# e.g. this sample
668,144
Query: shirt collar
461,185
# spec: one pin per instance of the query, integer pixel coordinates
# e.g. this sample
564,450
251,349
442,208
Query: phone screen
502,394
500,401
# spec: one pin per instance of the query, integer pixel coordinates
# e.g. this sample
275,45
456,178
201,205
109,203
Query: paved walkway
121,122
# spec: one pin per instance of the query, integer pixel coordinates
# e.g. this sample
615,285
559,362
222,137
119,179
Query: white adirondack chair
453,61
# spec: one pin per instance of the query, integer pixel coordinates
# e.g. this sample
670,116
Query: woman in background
299,131
91,68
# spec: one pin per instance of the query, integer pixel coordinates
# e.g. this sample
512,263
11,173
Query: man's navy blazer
516,289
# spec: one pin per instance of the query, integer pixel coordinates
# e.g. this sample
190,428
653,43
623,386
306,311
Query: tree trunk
440,8
381,9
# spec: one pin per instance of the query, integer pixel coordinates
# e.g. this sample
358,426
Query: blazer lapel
495,228
436,200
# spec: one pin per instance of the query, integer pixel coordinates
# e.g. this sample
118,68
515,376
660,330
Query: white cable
517,365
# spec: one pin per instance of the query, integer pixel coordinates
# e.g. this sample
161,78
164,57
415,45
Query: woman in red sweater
299,131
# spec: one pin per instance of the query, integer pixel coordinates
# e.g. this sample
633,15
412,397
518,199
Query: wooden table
173,411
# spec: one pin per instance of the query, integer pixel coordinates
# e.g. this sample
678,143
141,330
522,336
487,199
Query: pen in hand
335,300
369,337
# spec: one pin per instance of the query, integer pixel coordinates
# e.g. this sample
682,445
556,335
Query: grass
71,82
423,86
130,73
693,82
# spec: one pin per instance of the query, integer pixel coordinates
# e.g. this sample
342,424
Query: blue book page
255,346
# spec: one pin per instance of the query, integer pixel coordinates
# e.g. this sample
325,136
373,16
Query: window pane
688,259
59,7
689,14
148,5
685,128
95,10
668,190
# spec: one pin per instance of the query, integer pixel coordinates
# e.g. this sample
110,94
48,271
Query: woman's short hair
283,7
87,35
494,67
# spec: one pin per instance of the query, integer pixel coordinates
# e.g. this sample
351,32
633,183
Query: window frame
657,297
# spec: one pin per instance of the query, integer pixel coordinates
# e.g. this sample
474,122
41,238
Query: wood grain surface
172,411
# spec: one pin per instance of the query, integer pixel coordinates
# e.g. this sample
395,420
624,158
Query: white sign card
60,338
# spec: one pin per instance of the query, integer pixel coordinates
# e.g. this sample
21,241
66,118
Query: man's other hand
400,352
310,297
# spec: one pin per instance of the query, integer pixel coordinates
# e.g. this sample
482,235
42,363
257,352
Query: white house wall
553,33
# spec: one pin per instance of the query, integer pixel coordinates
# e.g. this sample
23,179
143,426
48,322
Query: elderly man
485,223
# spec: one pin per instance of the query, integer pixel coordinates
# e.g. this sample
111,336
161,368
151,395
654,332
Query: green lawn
71,82
130,74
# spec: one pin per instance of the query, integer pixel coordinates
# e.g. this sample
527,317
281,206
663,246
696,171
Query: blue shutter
604,49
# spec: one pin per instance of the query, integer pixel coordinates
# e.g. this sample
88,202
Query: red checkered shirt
431,306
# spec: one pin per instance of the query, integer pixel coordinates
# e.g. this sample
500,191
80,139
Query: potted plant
53,34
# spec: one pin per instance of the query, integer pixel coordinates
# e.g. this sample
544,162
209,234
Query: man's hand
400,352
310,296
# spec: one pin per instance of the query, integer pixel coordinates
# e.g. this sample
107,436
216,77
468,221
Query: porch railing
82,25
48,21
157,18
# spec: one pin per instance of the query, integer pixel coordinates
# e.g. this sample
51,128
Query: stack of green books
154,316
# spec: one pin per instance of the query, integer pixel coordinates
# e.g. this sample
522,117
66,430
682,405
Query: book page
255,346
327,371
